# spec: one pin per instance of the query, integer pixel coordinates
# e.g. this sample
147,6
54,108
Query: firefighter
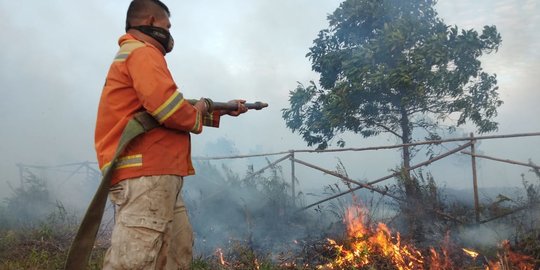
151,230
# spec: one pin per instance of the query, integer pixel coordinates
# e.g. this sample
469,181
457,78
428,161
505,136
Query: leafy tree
390,66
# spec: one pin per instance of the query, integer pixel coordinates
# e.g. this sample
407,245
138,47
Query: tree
390,66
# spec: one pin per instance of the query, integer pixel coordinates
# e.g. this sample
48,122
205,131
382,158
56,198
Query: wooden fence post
475,180
293,177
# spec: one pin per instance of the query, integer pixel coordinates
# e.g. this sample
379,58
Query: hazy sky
55,55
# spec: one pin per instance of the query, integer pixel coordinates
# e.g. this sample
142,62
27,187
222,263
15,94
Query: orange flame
219,253
507,259
367,246
233,264
471,253
367,242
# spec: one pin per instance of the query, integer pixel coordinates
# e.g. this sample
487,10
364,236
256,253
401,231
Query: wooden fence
468,143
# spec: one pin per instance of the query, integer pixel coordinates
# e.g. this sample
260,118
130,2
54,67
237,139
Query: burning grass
367,247
363,247
263,244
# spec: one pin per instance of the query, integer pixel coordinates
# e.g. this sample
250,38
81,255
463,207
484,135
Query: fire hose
142,122
229,106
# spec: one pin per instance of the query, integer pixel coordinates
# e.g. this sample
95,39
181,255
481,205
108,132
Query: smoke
257,212
55,56
489,235
227,207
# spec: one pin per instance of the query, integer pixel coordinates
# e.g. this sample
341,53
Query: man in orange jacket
151,230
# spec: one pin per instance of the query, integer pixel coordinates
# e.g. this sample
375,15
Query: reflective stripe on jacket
138,80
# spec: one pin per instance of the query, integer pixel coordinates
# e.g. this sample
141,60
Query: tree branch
389,130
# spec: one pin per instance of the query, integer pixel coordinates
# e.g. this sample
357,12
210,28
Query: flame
233,264
219,254
366,246
471,253
507,259
366,243
370,247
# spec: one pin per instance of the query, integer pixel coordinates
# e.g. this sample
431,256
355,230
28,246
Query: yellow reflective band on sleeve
197,122
126,162
126,48
208,119
120,57
169,107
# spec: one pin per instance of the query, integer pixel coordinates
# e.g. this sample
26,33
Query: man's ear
151,20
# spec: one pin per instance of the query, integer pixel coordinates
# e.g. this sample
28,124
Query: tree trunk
406,138
412,208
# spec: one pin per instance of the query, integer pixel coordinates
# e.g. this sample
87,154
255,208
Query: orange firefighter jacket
138,80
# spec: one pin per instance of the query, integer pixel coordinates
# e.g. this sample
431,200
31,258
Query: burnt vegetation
252,223
386,67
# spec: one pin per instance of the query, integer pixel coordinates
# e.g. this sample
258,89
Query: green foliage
385,66
393,66
425,185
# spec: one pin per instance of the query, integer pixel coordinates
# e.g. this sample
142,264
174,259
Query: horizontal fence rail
373,148
471,141
290,155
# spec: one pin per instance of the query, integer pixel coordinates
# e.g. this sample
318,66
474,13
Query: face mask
159,34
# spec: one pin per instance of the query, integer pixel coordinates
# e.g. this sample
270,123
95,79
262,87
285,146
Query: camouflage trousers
152,229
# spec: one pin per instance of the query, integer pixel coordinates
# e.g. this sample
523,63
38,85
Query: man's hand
241,108
201,106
